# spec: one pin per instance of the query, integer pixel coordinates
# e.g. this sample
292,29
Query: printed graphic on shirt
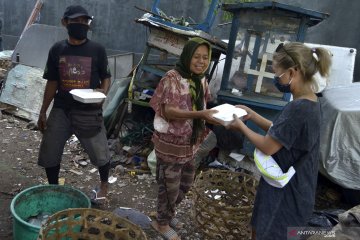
75,72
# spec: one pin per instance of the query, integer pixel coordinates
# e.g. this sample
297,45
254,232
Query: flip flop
175,223
95,199
168,235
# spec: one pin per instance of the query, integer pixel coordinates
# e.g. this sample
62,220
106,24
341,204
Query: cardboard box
226,111
87,95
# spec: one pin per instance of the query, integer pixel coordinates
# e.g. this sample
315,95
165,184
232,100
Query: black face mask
77,30
285,88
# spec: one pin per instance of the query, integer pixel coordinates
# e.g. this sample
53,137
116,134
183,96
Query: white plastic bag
151,161
271,171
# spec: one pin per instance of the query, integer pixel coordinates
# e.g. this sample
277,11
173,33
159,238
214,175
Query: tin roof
314,17
156,22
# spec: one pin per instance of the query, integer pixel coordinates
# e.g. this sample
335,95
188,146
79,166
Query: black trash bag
325,218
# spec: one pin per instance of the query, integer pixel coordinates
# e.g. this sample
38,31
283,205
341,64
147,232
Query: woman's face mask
285,88
77,30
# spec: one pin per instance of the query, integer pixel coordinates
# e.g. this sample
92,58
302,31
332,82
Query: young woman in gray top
292,139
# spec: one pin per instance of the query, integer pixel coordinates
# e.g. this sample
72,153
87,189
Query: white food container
87,95
226,111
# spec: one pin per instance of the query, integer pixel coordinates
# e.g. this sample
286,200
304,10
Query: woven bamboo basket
90,224
223,204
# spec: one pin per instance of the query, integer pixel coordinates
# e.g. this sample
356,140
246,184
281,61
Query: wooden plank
166,40
34,14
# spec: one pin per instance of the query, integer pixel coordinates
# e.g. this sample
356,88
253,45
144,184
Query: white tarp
342,68
340,129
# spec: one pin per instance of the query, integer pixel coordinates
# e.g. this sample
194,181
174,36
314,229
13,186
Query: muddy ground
19,146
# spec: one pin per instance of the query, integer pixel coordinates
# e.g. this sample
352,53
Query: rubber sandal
175,223
94,197
168,235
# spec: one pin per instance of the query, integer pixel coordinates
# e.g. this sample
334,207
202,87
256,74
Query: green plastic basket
43,198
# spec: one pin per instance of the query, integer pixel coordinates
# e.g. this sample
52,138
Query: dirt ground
19,170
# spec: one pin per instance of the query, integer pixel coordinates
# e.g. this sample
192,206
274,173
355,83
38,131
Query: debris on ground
132,185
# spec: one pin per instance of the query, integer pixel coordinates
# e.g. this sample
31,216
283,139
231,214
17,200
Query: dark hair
307,60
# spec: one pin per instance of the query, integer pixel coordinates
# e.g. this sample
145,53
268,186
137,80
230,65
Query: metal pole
206,25
230,51
154,7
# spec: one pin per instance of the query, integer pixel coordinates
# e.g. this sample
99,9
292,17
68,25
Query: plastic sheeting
342,67
340,130
24,88
117,92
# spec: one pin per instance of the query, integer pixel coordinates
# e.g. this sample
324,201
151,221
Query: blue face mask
284,88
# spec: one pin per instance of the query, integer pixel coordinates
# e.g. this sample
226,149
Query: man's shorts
59,130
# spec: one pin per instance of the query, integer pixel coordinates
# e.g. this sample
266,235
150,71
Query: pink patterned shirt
172,138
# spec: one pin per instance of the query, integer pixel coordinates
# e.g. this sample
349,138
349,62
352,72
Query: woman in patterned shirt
179,103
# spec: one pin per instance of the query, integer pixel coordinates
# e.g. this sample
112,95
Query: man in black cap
75,63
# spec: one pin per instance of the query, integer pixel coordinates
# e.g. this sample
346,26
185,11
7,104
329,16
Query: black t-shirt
76,67
297,128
